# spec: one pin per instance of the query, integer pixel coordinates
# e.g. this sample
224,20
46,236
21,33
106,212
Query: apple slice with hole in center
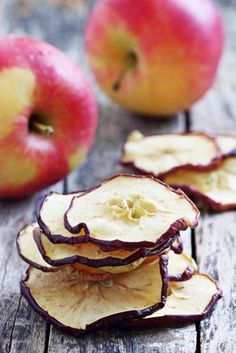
129,211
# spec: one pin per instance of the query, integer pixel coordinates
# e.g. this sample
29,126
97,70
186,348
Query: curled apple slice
160,154
37,250
86,254
227,145
216,188
180,266
50,215
129,211
187,301
90,256
76,306
28,250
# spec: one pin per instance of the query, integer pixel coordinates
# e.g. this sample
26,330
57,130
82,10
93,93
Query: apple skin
177,45
39,82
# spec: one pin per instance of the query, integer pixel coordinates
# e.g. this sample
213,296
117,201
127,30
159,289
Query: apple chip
37,250
50,215
216,188
227,145
187,301
92,257
180,266
75,306
87,254
129,211
28,249
159,154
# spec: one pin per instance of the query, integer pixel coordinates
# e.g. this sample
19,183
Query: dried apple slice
91,257
28,250
50,215
37,250
180,266
129,211
216,188
187,301
159,154
76,306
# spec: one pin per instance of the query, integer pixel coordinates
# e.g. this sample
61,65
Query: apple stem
46,130
130,62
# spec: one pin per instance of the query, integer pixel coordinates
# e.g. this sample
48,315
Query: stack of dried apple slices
112,254
203,166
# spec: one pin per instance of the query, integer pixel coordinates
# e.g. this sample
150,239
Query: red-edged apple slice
129,211
28,250
37,250
76,306
227,145
216,188
160,154
180,266
187,301
91,257
87,254
50,215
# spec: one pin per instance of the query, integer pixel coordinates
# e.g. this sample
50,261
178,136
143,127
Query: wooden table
61,23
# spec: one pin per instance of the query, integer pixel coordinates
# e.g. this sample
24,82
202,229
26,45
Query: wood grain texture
153,340
21,330
14,215
216,238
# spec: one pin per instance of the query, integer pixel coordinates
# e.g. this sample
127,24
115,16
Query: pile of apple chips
112,255
203,166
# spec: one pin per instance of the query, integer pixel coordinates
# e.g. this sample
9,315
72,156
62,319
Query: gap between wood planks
188,128
65,189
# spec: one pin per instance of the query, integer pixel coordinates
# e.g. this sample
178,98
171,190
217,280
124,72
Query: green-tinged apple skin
155,57
48,116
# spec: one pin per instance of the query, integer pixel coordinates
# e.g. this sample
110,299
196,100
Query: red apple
155,57
48,115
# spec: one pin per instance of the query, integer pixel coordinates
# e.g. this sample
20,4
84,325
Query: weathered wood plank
21,330
152,340
13,216
215,239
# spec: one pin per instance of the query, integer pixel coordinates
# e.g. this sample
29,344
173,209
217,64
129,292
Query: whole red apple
155,57
48,115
